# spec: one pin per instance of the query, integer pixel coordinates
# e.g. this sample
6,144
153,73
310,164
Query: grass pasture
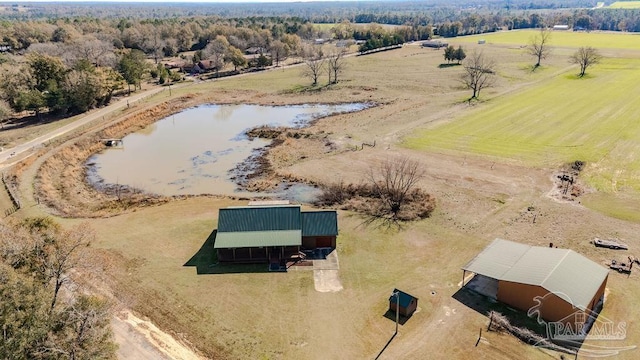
559,120
568,39
625,5
536,120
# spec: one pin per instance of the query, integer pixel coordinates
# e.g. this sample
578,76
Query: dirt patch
566,184
326,281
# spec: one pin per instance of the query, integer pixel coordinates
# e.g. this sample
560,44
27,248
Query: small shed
408,303
561,27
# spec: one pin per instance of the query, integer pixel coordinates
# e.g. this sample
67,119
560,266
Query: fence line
14,200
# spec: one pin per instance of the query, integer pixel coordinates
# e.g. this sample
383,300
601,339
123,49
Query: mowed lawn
572,39
560,120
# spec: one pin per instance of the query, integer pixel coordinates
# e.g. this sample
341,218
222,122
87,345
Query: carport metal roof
563,272
225,240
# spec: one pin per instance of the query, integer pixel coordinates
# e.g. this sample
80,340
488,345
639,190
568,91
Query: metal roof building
406,304
517,274
258,233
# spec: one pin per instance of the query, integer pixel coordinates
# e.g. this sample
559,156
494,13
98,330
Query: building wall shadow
391,315
483,305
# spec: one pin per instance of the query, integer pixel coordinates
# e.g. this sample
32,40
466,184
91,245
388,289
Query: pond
192,152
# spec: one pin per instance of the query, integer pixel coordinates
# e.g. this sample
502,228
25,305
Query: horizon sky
181,1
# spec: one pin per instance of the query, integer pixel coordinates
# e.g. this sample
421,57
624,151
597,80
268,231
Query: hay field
625,5
560,120
570,39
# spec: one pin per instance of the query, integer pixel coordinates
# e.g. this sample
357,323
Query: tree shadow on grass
29,121
206,262
443,66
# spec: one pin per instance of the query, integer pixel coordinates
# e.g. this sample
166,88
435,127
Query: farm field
559,120
625,5
569,39
490,167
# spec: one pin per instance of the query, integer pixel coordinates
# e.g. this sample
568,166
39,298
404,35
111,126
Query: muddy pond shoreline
211,149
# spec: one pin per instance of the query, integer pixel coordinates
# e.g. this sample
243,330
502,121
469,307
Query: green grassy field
599,40
560,120
625,5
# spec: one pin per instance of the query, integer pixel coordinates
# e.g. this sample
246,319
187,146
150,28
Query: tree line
68,65
37,257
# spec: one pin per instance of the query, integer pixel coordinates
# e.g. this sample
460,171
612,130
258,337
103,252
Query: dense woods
67,58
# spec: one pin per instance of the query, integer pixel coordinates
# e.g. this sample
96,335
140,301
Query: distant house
272,233
408,303
560,27
206,65
255,50
557,284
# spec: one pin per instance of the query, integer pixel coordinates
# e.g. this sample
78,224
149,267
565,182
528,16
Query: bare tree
5,111
32,252
314,64
585,57
87,334
63,255
216,51
393,181
97,52
479,73
279,51
539,45
335,65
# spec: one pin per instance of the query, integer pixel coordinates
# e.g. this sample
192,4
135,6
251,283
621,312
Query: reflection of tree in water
225,112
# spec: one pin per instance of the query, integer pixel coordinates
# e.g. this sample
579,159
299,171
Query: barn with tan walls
557,283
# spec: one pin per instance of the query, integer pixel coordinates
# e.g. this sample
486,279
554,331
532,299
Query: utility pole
397,295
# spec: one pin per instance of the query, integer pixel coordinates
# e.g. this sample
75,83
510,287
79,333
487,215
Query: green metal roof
242,239
405,298
563,272
320,223
259,218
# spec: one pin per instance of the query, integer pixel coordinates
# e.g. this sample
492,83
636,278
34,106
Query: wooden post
479,337
463,274
490,322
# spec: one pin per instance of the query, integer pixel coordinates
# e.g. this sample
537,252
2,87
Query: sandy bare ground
141,339
325,274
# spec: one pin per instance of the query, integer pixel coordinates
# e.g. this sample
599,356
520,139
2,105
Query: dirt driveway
325,274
